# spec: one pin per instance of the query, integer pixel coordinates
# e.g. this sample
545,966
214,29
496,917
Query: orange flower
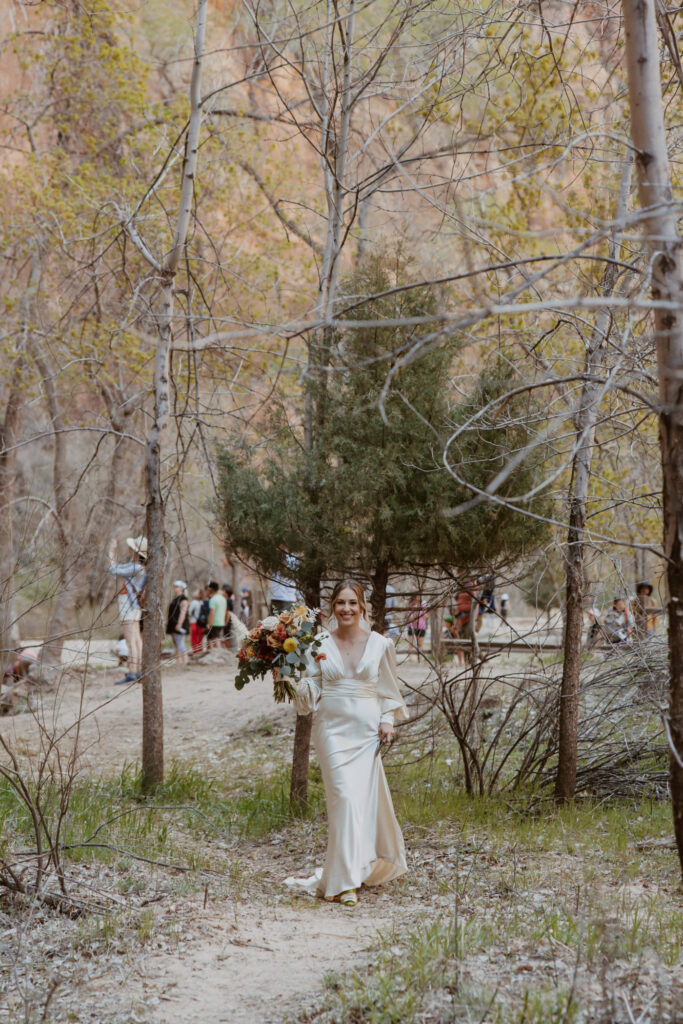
321,657
275,638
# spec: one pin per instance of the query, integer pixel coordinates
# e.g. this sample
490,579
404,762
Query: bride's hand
386,732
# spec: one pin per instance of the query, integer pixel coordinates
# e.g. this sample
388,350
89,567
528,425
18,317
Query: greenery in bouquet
279,644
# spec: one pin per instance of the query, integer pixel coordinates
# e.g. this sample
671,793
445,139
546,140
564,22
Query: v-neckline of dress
341,656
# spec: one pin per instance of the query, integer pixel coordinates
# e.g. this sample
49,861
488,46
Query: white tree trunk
152,702
586,419
664,247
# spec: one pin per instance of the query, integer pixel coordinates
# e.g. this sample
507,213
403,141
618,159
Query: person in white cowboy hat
131,601
177,621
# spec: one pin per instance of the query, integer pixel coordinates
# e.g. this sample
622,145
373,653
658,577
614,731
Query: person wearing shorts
218,611
417,623
132,578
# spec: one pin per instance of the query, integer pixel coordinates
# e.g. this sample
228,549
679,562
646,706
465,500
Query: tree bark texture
589,406
152,702
68,544
334,143
378,598
301,752
298,793
436,634
8,467
664,246
120,410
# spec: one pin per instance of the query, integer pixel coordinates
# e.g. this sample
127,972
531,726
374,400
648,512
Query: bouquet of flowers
279,645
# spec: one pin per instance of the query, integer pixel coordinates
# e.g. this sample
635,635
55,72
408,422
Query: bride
352,689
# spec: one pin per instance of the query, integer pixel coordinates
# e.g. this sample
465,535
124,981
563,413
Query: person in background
229,595
618,623
25,661
644,610
504,606
283,592
204,611
462,609
417,623
488,598
193,613
133,577
245,606
218,610
390,625
451,631
22,670
176,623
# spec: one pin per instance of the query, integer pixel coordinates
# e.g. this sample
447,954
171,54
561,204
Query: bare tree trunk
471,701
334,152
436,634
378,599
8,460
301,752
298,792
8,466
589,405
119,411
152,703
64,600
664,245
152,638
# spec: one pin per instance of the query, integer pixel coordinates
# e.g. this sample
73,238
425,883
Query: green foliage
370,493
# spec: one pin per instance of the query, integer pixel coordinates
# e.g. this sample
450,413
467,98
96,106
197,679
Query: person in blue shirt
132,577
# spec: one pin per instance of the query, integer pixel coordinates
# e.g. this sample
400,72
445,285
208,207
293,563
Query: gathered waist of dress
349,688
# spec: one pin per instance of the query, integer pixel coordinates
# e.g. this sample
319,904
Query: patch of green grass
110,819
517,881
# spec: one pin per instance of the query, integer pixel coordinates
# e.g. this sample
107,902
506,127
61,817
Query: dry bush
503,713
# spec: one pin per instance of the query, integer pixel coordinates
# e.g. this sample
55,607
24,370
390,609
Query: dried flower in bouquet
279,644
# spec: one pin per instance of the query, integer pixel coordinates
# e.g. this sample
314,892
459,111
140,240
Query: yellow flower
289,644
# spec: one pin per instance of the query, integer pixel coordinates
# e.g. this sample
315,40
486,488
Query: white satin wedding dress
364,842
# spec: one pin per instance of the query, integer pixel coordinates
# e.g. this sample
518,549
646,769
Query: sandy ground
261,963
247,949
239,961
202,709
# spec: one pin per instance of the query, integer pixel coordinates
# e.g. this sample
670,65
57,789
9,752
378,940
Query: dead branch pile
505,720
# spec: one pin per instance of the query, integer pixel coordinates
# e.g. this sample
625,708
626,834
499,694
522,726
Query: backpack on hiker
203,616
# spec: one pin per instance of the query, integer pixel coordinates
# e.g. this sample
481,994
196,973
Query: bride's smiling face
347,610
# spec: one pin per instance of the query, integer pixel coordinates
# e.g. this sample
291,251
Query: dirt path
252,959
202,710
257,965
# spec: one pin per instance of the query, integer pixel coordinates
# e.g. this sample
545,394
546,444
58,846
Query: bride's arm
308,688
392,705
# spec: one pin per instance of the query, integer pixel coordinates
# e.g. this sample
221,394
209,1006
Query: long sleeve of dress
392,705
308,688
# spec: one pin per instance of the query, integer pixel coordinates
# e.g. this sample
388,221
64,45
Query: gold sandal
349,898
